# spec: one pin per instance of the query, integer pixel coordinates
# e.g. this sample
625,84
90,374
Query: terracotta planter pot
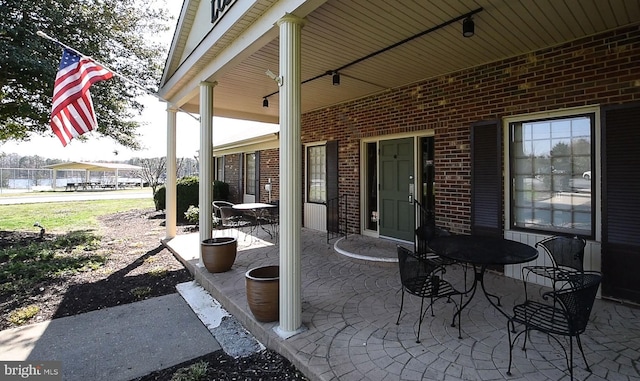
263,284
218,254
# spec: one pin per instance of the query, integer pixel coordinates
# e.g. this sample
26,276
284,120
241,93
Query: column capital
208,83
291,19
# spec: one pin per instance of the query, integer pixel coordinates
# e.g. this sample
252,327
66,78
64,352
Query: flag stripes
72,111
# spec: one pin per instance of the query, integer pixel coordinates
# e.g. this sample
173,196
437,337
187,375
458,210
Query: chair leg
570,359
510,346
459,324
420,320
401,305
526,335
512,343
581,350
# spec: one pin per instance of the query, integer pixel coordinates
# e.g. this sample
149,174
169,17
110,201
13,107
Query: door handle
411,190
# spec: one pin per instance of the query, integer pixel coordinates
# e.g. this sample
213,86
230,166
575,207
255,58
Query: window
316,174
551,174
220,168
250,174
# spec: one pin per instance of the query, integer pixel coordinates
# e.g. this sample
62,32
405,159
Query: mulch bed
266,365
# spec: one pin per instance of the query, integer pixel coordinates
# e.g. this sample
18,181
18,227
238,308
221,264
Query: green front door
396,217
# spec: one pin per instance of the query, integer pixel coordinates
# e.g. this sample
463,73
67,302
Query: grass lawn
28,265
64,216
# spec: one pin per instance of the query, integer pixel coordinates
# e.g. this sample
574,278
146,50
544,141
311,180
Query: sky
153,131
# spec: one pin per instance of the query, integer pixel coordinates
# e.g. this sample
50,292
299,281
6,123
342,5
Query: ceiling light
336,78
265,102
468,27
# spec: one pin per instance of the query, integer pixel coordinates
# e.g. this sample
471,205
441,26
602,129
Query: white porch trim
171,181
290,177
205,197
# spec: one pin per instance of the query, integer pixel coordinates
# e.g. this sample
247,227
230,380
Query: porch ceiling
340,32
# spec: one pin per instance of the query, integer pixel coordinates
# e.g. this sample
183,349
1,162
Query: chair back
229,216
407,264
411,267
567,252
273,214
426,231
219,204
578,299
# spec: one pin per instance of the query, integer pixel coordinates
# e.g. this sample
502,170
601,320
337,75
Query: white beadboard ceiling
340,32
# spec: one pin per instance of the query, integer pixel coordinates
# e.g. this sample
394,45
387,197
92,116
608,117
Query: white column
170,182
290,178
206,161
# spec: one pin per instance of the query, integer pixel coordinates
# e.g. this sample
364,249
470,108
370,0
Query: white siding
315,216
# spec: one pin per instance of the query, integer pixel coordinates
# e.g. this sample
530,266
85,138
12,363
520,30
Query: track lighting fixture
336,78
468,30
468,27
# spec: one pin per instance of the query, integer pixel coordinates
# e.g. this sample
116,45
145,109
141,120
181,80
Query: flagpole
44,35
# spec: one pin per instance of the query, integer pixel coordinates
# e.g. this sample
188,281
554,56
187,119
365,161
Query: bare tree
180,164
153,171
186,167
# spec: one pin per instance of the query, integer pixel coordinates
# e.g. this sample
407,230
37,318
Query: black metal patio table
258,209
481,252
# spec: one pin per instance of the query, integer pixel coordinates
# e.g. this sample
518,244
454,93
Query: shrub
192,214
187,191
160,197
220,191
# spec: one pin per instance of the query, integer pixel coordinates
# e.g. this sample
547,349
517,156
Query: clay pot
218,254
263,296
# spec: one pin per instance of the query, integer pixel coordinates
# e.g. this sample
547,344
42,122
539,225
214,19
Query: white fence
42,179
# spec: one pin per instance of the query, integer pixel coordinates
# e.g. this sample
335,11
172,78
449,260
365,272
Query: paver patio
350,307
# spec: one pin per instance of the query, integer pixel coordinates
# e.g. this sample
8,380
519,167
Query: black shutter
332,169
486,179
333,203
241,178
257,182
621,201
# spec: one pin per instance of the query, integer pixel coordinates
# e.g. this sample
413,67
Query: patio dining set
248,216
561,311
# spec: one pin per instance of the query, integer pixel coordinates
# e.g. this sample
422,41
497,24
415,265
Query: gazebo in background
88,167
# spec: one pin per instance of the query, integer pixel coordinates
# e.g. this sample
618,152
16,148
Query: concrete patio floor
350,305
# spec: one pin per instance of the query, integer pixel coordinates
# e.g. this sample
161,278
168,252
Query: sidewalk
132,340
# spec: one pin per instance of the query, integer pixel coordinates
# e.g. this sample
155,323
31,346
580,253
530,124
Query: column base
287,334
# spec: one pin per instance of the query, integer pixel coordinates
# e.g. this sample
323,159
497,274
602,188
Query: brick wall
269,169
603,69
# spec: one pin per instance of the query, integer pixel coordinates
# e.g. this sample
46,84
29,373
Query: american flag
72,114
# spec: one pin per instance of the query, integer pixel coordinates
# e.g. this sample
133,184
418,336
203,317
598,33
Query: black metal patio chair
424,279
566,255
425,232
217,215
562,312
272,219
235,219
